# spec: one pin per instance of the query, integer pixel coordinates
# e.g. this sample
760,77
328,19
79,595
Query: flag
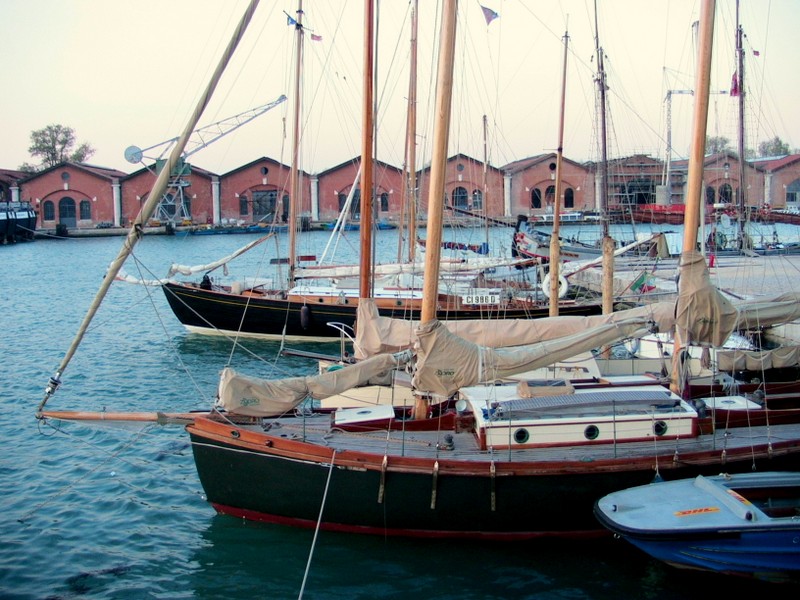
734,85
290,20
756,53
488,14
316,38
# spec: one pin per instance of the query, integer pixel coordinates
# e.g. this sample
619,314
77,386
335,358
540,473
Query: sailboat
488,452
320,301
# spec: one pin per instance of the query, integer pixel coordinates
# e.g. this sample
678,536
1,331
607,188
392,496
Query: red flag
316,38
734,85
488,14
756,53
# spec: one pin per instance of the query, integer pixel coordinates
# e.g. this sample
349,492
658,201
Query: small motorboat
744,524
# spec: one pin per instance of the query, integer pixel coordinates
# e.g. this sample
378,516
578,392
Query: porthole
591,432
659,428
521,436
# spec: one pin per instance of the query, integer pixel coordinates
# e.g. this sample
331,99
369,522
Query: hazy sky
129,72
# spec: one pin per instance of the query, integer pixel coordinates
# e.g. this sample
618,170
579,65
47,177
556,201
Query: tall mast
742,200
485,182
608,242
294,172
441,133
555,242
367,139
409,196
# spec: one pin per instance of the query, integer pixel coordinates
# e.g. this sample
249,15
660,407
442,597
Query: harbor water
101,510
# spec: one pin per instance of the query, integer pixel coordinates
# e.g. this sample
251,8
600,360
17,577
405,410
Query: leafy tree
55,144
774,147
718,145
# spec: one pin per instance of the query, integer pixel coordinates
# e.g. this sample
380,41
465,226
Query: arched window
569,198
264,205
342,200
536,198
477,200
187,206
385,202
243,211
460,197
49,211
86,210
726,193
66,212
711,195
550,194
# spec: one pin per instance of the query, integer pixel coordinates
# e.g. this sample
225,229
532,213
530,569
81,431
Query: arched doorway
66,212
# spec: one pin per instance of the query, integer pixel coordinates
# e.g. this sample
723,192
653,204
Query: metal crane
173,206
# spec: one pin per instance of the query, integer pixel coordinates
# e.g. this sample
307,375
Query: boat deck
464,445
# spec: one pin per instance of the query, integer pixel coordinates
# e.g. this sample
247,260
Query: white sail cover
378,335
191,270
252,396
446,362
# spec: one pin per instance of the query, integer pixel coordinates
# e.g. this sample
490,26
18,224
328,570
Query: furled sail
252,396
378,335
447,362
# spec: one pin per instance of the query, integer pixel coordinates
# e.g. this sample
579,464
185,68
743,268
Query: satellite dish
133,154
725,221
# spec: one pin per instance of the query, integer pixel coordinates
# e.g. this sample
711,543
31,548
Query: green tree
774,147
55,144
718,145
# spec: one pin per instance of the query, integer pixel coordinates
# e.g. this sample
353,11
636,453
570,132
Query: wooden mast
555,242
135,232
694,190
441,133
409,195
367,140
294,172
608,242
742,199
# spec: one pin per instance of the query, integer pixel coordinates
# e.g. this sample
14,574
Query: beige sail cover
378,335
764,313
447,362
252,396
702,314
755,360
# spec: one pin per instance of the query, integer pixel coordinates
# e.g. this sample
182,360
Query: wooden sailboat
311,308
498,454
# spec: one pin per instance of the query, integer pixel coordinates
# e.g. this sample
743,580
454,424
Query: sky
130,72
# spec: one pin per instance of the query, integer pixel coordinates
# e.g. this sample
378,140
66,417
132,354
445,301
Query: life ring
562,286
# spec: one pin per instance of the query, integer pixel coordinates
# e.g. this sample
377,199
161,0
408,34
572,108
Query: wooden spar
294,170
741,209
411,163
367,140
485,180
161,418
694,193
555,242
608,242
159,187
441,133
